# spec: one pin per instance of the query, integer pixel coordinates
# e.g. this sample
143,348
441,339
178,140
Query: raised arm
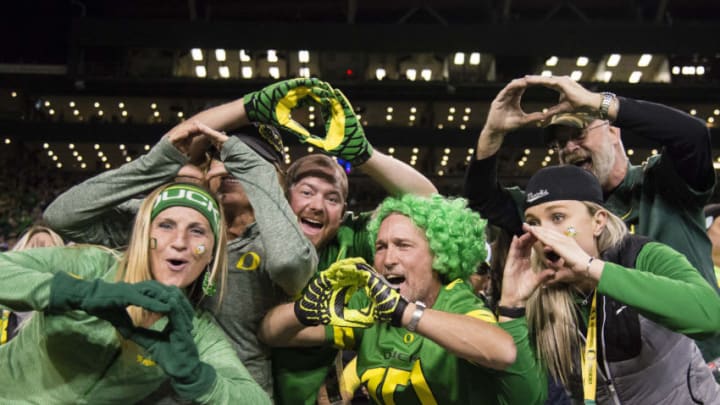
686,139
99,210
482,189
293,259
397,177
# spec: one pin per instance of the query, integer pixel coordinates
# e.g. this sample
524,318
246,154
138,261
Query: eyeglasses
562,137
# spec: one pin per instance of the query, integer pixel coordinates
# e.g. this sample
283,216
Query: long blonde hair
135,267
551,315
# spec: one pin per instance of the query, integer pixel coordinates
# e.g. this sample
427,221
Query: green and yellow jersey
397,366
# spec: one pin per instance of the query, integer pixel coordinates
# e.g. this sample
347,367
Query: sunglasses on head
562,136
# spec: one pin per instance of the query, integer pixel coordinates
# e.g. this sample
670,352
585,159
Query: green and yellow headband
187,195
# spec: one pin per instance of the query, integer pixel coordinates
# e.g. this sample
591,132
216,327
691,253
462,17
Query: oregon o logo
409,338
249,261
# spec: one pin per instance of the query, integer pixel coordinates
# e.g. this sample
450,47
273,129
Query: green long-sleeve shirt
665,288
80,359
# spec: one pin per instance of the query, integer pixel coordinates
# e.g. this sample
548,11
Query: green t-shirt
401,367
300,372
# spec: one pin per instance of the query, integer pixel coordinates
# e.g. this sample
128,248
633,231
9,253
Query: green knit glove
105,300
175,351
273,104
345,137
325,299
389,304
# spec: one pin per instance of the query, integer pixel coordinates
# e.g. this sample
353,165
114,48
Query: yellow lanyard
4,323
588,361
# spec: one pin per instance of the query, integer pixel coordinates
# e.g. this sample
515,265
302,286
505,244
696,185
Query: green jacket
75,358
270,262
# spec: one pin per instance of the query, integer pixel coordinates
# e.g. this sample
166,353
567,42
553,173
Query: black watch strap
511,312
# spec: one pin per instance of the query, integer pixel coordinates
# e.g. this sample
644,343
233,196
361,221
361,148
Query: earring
208,286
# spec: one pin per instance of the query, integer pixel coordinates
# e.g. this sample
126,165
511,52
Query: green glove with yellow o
344,138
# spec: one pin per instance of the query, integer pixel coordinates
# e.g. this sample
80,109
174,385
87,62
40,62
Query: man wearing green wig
424,337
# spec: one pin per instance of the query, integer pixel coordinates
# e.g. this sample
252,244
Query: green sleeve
525,381
99,209
666,289
292,259
25,276
233,383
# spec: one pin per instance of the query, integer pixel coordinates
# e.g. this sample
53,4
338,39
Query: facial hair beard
603,162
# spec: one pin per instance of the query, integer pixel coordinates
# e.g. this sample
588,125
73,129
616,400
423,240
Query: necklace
586,297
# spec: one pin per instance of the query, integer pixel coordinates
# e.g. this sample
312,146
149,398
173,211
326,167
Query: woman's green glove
105,300
175,351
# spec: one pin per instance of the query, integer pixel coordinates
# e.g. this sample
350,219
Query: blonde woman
110,328
36,236
615,313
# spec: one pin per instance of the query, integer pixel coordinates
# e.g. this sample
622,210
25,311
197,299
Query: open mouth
395,279
552,256
583,163
176,264
311,225
227,184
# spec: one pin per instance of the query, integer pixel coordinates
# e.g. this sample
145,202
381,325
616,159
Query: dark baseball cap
565,182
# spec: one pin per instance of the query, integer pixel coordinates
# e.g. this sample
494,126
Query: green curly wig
456,234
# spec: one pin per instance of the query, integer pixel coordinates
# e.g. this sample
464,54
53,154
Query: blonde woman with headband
111,328
612,314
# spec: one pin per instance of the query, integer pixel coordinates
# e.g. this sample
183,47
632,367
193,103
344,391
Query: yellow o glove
389,305
325,299
344,138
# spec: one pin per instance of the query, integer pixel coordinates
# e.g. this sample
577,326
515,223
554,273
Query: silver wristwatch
417,314
605,104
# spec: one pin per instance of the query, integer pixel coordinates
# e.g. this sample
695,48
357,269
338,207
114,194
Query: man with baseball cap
663,198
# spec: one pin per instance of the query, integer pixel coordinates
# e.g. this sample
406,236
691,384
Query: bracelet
510,312
587,269
417,314
604,108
